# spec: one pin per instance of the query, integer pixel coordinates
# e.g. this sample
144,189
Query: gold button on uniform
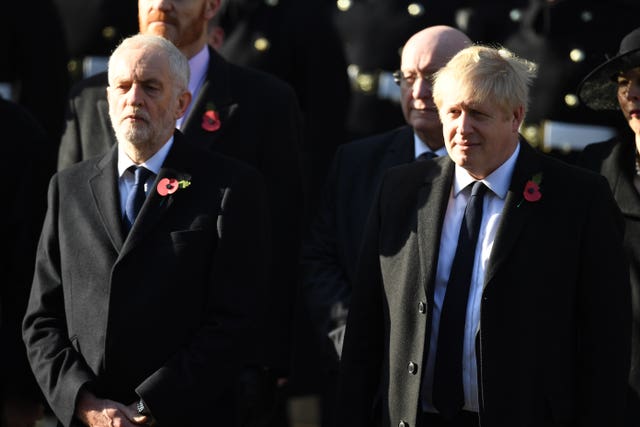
343,5
415,9
261,44
109,32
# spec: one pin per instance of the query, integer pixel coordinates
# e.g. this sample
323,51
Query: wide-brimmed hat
598,90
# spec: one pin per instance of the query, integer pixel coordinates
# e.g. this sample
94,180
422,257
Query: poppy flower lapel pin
168,186
211,118
531,192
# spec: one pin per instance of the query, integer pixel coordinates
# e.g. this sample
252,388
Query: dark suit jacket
330,252
615,159
552,346
167,312
261,126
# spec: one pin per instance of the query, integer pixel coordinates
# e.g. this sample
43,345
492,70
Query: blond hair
484,73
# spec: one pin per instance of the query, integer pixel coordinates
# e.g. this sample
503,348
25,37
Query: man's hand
96,412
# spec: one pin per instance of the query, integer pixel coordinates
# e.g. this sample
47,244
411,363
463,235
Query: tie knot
427,155
140,174
478,188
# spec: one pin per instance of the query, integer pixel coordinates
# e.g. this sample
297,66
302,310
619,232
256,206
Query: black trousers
463,419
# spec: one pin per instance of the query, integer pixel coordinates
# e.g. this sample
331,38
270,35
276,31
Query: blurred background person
25,174
373,33
92,29
296,41
567,39
33,58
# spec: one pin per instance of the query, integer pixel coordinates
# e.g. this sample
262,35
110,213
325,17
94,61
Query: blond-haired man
488,278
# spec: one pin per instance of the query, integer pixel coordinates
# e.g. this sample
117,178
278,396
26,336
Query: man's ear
184,99
517,118
211,8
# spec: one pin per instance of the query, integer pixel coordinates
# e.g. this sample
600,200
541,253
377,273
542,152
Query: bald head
425,53
437,44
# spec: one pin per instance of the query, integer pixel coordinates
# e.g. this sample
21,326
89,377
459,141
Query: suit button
413,368
403,424
422,307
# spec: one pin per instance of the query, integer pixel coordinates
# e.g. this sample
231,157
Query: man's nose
135,95
161,4
421,88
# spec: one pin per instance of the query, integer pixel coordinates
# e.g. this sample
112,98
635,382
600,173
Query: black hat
598,90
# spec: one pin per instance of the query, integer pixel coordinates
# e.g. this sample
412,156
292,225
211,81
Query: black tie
136,196
448,392
427,155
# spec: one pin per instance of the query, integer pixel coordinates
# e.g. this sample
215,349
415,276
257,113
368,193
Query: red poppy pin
211,119
531,191
171,185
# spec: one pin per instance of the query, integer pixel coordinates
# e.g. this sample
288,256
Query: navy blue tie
136,196
427,155
448,391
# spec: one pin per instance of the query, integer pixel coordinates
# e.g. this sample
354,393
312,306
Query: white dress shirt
498,184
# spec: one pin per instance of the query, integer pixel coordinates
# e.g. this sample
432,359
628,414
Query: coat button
403,424
422,307
413,368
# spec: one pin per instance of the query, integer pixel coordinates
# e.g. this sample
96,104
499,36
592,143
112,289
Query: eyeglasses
410,78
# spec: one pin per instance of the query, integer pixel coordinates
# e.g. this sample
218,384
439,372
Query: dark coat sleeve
59,368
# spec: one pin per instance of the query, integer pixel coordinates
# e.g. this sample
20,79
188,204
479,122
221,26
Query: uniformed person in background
490,22
568,38
33,63
296,41
92,29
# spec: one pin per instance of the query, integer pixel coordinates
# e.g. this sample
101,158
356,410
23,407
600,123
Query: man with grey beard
137,314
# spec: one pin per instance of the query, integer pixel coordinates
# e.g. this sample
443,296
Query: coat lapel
515,212
214,94
156,206
432,202
104,188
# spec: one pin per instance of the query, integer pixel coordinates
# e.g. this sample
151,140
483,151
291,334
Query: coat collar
400,150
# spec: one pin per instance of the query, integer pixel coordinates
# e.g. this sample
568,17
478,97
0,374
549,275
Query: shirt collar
498,181
198,65
420,147
154,163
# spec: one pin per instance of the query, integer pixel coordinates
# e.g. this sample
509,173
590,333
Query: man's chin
425,121
161,29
